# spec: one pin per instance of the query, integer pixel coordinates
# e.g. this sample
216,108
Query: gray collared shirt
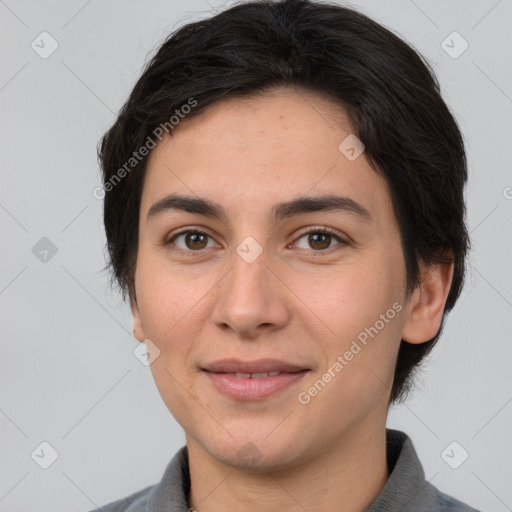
405,491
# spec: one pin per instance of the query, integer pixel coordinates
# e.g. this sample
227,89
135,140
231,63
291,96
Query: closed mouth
258,375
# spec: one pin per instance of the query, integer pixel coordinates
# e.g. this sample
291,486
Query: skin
297,301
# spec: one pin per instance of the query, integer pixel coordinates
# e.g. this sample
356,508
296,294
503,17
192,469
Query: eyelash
323,230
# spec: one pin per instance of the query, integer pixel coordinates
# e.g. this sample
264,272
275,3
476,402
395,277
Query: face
264,281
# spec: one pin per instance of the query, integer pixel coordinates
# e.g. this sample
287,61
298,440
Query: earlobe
426,305
138,331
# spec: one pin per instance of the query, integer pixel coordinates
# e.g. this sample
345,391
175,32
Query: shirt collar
406,488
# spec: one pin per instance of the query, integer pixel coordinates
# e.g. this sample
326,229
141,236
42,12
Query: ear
426,305
138,331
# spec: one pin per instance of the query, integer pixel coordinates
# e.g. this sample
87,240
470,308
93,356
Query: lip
222,375
251,389
257,366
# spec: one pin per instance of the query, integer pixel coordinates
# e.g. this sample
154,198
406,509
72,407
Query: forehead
260,151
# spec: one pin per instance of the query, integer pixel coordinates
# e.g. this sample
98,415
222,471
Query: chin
256,452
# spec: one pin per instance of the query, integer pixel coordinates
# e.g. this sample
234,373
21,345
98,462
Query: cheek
361,306
172,313
169,308
352,298
166,298
175,390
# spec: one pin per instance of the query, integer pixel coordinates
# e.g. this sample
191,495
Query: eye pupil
324,237
195,238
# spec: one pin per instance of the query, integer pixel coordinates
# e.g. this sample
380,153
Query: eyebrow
207,208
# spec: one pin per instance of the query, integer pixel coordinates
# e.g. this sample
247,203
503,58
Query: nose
251,299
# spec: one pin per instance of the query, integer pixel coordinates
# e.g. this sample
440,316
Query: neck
348,476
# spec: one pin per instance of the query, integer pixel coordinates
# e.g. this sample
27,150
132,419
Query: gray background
67,372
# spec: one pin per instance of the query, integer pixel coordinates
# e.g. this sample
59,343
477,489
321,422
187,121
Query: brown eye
196,241
320,239
190,240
